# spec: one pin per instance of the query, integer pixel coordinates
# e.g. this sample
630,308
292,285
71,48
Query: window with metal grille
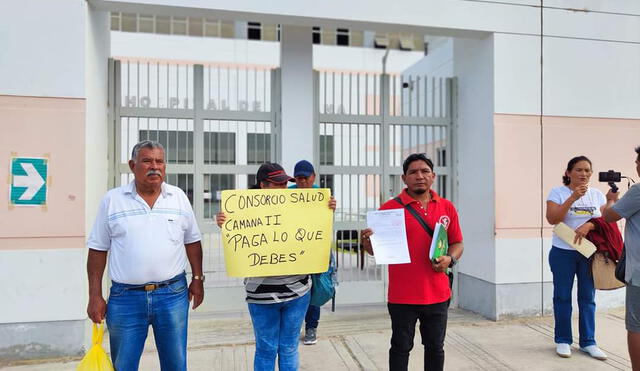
342,37
182,181
258,148
327,181
254,31
214,184
178,145
326,150
219,148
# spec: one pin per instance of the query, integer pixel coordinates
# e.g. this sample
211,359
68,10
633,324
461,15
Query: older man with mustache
149,230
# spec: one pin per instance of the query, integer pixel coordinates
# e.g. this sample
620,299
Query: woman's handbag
603,271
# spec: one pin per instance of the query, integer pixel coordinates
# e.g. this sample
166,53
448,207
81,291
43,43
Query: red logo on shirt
444,220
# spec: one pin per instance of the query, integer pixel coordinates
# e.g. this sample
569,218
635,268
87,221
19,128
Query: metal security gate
366,125
218,123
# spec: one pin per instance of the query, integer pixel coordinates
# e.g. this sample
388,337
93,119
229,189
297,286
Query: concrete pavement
357,338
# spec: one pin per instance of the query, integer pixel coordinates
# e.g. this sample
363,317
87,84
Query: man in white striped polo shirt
149,231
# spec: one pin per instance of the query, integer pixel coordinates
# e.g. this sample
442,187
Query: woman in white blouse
574,203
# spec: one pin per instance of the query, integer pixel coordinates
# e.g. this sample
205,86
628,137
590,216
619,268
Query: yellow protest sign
274,232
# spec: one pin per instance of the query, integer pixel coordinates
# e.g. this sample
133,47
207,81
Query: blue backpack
323,286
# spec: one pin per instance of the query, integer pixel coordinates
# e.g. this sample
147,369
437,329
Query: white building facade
512,91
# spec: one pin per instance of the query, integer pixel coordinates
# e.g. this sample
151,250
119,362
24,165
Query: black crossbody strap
417,216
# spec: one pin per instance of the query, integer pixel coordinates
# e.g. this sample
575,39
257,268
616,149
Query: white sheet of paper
389,239
566,234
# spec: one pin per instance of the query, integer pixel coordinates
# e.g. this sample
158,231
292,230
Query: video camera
611,177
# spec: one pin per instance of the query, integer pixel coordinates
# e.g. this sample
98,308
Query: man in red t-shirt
420,290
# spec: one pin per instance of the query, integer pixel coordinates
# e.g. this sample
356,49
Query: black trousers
433,328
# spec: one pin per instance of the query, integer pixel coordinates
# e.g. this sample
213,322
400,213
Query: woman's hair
572,163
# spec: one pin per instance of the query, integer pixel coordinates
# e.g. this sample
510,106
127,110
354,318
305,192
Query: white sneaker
594,352
563,350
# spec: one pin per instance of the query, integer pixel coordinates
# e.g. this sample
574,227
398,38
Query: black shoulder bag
426,228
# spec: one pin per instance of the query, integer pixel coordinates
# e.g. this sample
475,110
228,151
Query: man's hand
220,219
582,231
196,293
332,203
365,239
612,196
441,264
97,308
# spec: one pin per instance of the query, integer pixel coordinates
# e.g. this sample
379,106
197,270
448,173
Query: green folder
439,242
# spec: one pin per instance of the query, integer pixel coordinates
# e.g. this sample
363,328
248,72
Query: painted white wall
517,74
588,78
327,57
96,128
42,51
252,52
618,6
521,260
42,285
591,25
438,61
194,49
297,95
473,67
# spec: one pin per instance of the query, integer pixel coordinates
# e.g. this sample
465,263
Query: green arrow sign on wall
29,181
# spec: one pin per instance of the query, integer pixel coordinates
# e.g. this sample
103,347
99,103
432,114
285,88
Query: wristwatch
201,278
454,261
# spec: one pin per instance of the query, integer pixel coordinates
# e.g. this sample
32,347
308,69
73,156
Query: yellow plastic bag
96,358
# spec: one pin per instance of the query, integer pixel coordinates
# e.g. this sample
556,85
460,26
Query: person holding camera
628,207
574,203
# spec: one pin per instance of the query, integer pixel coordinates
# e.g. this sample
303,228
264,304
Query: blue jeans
312,317
277,330
565,266
129,314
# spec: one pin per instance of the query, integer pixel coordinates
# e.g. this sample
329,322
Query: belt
153,286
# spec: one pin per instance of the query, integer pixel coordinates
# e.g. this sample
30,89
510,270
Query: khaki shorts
632,317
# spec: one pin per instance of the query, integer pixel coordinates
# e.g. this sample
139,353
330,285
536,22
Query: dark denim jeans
312,317
277,331
129,314
565,266
433,329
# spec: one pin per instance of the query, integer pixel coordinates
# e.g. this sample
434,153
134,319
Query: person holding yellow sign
277,303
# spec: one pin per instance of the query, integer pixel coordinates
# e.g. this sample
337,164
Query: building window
115,21
326,150
342,37
178,26
129,22
182,181
196,26
214,184
317,35
146,23
163,25
326,181
178,145
407,43
212,28
381,42
442,157
254,31
258,148
219,148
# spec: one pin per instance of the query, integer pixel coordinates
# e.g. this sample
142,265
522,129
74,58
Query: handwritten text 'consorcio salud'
279,229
